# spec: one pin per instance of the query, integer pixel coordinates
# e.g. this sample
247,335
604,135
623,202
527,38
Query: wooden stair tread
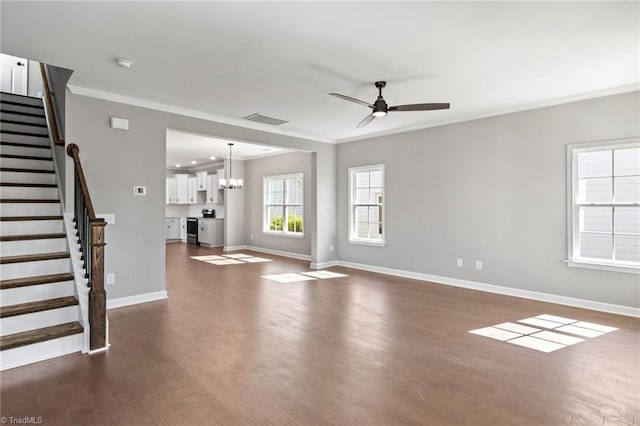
30,114
25,157
32,237
22,123
39,335
38,306
29,185
36,280
2,101
25,145
17,132
27,200
16,94
20,170
25,218
34,257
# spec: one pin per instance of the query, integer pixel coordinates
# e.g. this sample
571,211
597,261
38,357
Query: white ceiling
226,60
183,148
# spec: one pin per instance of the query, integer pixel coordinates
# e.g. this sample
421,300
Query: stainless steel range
192,230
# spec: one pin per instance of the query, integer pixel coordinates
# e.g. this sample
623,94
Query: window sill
602,266
368,242
283,234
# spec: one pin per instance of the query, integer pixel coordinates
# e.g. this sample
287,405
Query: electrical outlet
111,278
479,265
331,247
251,236
459,262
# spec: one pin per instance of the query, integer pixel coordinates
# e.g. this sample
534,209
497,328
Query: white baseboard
491,288
233,248
138,298
323,265
279,253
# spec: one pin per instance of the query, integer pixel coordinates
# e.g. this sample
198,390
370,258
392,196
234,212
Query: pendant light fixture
233,183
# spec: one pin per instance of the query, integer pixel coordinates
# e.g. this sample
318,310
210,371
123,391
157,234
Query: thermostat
140,190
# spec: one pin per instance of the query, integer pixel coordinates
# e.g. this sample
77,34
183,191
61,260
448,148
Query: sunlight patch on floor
544,340
230,259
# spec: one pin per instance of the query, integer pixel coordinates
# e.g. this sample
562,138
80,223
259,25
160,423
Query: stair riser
28,193
24,128
31,140
31,227
23,118
29,354
21,163
21,150
10,271
30,209
33,293
25,177
21,108
21,99
17,248
49,318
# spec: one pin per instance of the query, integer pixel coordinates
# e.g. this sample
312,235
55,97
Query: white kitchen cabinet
211,232
212,189
182,184
173,228
220,173
172,190
192,191
183,229
201,181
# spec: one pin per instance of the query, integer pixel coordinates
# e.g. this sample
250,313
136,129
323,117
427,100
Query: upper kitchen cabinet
201,181
183,189
192,191
212,189
172,190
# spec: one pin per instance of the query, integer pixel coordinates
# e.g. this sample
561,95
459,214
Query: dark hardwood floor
230,347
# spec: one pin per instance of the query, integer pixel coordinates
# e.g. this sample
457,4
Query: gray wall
234,207
491,190
255,170
116,160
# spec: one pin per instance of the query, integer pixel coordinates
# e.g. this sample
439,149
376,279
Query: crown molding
173,109
503,111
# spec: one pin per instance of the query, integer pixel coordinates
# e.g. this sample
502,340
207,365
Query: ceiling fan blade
368,119
350,99
419,107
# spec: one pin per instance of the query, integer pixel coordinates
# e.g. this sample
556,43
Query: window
366,204
283,205
604,215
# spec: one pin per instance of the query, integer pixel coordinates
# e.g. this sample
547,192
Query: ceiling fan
380,107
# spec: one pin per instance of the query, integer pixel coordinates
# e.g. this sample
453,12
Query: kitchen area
195,208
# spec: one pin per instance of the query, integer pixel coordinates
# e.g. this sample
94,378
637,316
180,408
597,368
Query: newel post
97,295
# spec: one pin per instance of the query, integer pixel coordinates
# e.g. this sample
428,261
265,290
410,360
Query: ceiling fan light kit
380,108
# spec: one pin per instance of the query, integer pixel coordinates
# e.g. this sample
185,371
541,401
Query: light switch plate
110,218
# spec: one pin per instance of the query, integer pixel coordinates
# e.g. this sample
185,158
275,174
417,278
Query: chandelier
233,183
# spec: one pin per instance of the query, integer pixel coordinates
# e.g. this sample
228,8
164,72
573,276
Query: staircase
40,317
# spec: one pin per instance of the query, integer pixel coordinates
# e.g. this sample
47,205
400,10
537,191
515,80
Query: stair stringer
82,283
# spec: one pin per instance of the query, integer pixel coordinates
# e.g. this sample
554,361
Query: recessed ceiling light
178,165
123,63
194,162
212,158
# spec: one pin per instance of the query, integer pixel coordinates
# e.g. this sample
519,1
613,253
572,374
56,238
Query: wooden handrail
73,152
90,234
51,114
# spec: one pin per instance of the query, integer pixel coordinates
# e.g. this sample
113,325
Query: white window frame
265,207
352,207
573,208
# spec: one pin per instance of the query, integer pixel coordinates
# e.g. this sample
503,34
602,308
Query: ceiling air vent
264,119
